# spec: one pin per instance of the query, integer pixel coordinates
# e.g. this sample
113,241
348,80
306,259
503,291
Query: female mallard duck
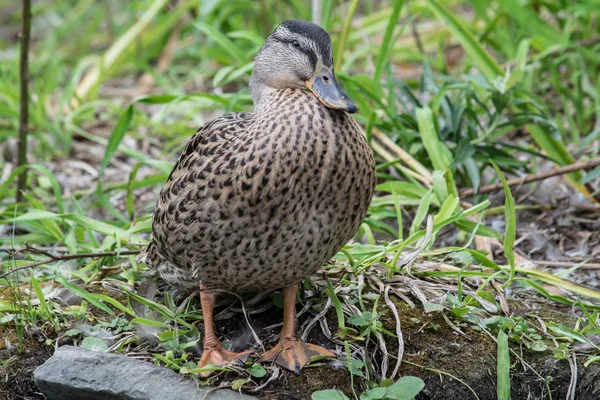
262,200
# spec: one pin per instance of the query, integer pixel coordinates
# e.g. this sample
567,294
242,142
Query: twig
24,98
256,338
400,355
534,177
214,389
274,376
71,257
573,383
317,8
438,371
308,327
415,32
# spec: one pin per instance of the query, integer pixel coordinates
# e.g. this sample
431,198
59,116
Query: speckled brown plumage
262,200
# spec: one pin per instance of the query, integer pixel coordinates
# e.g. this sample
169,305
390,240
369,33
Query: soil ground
429,341
436,347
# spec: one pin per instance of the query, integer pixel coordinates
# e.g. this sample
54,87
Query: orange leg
290,352
214,353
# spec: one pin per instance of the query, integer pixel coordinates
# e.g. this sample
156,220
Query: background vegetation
453,95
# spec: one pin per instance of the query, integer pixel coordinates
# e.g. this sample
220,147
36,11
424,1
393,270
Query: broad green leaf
257,370
447,210
358,320
432,307
405,388
338,306
94,344
374,394
329,394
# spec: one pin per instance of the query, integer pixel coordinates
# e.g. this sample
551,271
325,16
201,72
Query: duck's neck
272,100
260,92
263,95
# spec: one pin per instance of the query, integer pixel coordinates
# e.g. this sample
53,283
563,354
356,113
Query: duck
261,200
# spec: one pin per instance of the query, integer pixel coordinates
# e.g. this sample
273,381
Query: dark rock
76,373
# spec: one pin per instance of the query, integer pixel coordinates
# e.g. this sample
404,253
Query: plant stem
24,98
52,258
534,177
344,37
317,8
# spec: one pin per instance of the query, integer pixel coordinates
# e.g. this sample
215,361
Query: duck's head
298,54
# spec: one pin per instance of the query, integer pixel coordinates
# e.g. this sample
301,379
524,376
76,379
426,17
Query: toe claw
222,357
292,354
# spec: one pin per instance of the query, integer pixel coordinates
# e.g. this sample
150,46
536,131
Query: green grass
525,92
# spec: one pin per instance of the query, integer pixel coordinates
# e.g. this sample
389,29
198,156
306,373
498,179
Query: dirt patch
443,358
472,359
16,371
435,349
299,387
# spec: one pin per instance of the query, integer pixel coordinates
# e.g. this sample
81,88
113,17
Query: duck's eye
296,43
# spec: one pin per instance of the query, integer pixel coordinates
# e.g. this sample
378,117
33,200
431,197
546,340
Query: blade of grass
386,46
77,291
338,309
439,154
503,367
421,211
113,303
556,149
92,78
477,54
398,214
43,303
556,281
341,45
511,225
571,334
224,42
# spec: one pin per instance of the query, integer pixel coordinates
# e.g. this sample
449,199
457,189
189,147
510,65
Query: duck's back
262,200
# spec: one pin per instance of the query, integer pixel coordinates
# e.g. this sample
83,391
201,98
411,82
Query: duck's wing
201,178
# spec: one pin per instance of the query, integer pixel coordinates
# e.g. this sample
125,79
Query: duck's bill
325,86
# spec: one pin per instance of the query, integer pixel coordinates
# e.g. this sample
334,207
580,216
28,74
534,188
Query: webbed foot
293,354
221,357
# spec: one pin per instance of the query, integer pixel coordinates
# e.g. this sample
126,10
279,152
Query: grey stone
73,373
